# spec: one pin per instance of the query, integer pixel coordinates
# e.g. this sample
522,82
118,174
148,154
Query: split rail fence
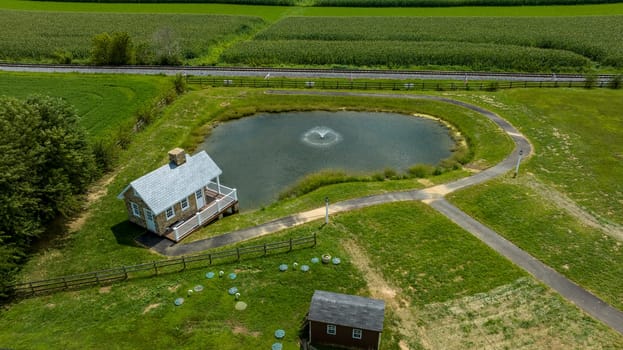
101,277
213,81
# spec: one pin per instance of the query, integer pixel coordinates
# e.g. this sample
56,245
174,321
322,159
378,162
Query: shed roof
171,183
347,310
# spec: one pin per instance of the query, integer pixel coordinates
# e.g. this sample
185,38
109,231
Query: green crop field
42,36
502,43
104,102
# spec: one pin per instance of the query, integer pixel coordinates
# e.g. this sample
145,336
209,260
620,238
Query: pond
263,155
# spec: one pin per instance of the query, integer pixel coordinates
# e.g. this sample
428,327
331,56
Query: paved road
299,73
432,196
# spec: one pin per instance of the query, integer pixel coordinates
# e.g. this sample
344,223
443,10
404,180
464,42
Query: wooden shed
346,321
180,196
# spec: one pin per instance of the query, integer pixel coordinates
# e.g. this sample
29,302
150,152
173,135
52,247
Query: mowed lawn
565,206
104,102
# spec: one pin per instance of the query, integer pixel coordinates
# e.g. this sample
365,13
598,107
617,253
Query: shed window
170,213
331,329
184,203
135,209
357,333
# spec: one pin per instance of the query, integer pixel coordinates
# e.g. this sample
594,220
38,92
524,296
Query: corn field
39,36
516,43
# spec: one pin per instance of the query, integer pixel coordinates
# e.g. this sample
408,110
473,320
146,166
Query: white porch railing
209,212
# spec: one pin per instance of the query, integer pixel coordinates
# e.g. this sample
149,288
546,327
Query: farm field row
528,44
272,13
39,36
498,43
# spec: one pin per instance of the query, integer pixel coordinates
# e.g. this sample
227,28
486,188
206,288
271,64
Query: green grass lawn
575,172
104,102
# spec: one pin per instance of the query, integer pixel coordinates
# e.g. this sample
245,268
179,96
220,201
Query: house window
199,194
170,213
184,203
357,333
331,329
135,209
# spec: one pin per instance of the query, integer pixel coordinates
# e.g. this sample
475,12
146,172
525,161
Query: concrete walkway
432,196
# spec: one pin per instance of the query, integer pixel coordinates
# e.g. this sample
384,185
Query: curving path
432,196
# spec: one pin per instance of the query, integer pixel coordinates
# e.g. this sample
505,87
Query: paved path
432,196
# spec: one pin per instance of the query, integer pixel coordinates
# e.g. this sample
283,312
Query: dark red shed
344,320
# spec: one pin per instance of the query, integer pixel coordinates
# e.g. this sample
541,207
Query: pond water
262,155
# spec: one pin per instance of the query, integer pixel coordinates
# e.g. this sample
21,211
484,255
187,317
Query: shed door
149,219
200,200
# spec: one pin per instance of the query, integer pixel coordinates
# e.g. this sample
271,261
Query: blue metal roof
171,183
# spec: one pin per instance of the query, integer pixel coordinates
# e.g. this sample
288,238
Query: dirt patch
381,289
50,305
174,288
426,182
105,290
240,329
97,191
150,307
560,200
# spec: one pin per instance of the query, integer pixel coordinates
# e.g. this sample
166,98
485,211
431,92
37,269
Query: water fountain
321,136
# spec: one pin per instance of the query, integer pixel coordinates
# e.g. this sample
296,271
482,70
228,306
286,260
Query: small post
238,253
315,239
155,268
210,258
184,262
518,161
290,244
326,215
264,248
125,272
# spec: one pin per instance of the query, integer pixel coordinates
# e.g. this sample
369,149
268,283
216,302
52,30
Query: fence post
155,268
238,253
314,239
184,262
65,282
264,248
125,272
290,244
97,277
210,258
32,289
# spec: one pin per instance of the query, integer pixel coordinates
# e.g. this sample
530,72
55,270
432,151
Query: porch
218,200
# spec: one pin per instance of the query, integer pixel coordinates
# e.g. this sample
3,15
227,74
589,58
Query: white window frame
184,201
331,329
198,194
357,333
166,213
136,211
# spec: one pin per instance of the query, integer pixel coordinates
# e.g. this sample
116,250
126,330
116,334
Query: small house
346,321
180,196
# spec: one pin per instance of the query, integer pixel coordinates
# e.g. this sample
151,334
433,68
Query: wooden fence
154,268
423,85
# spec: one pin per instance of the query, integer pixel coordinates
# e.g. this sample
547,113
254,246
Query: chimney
177,156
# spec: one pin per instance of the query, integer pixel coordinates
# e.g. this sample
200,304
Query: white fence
229,196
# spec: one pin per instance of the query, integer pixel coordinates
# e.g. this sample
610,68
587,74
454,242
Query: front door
200,199
149,219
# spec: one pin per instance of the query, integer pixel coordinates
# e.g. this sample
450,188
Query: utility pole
326,215
518,161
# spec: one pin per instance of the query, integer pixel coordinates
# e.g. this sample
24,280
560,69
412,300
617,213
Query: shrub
421,170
